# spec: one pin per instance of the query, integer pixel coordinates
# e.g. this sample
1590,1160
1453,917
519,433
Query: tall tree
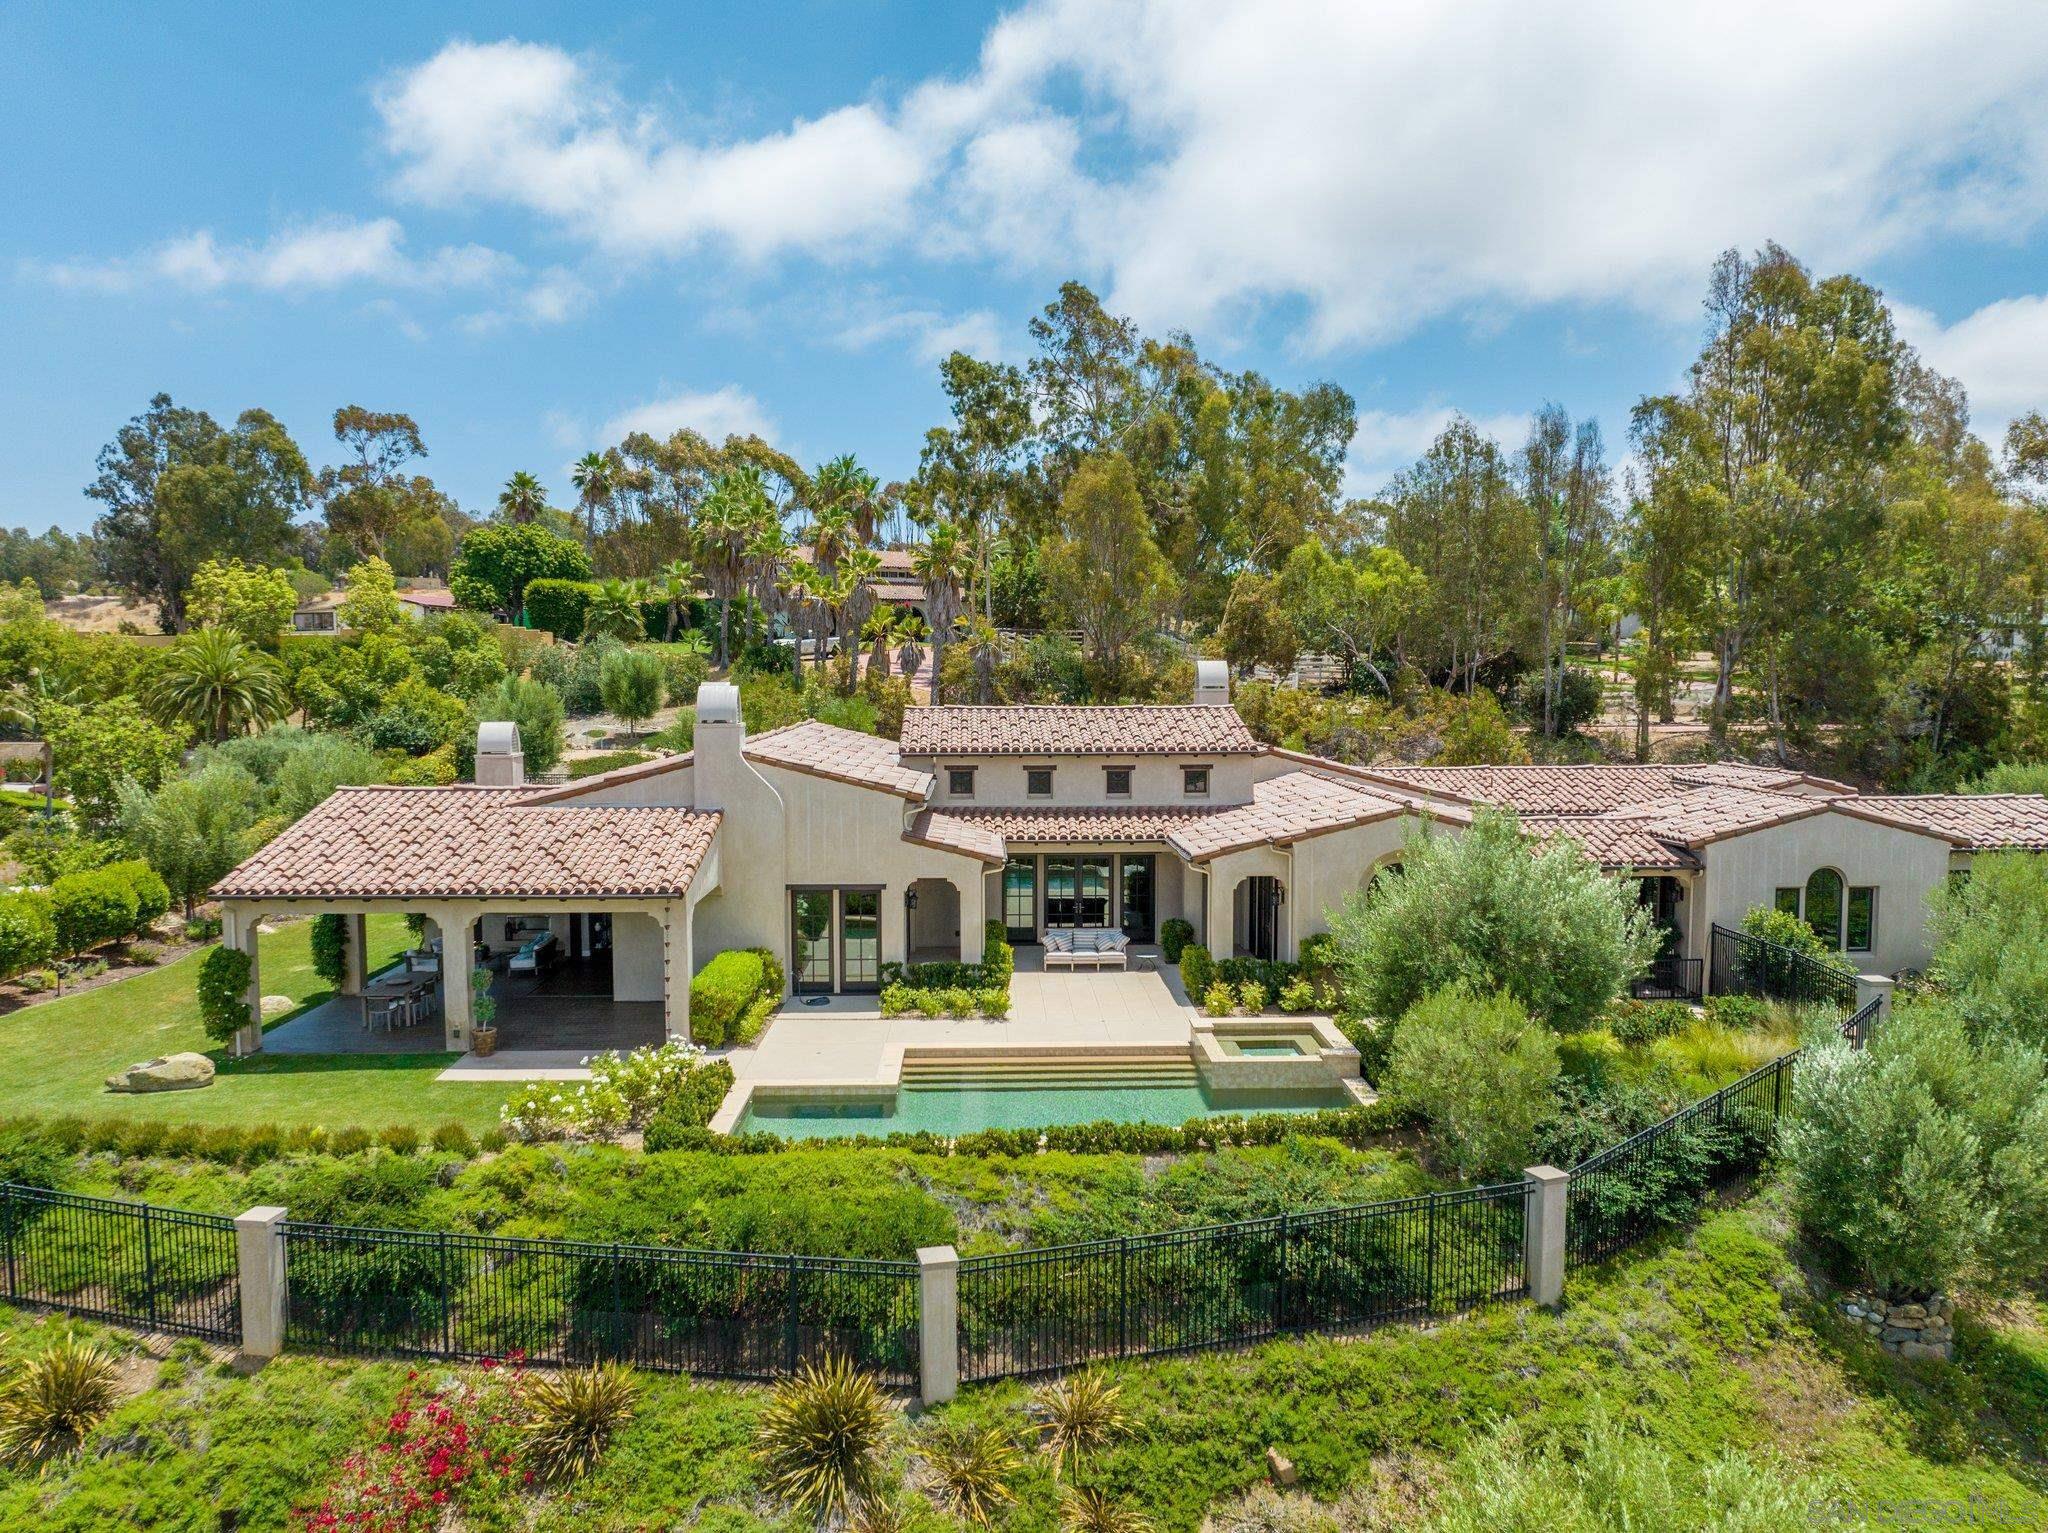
369,502
595,478
940,563
523,499
732,514
969,472
1564,479
1102,567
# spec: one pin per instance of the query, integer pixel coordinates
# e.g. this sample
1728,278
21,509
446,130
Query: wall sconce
910,900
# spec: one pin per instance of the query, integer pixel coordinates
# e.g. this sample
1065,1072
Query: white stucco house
841,852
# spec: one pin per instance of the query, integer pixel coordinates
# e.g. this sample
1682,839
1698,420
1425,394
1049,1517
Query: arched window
1377,879
1824,906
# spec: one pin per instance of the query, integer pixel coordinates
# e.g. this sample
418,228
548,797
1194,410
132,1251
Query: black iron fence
1860,1026
1661,1176
720,1313
1746,965
1026,1312
132,1263
1670,977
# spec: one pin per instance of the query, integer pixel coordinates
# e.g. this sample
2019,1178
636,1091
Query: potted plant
483,1013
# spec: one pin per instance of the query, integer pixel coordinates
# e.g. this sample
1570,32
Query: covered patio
563,1011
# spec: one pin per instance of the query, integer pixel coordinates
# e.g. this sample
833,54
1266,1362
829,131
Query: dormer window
960,782
1116,782
1194,781
1038,782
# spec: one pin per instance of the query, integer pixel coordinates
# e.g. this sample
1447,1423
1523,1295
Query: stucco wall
1079,779
1319,875
636,958
1743,872
673,788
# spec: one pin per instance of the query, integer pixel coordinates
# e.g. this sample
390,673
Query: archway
1257,917
931,918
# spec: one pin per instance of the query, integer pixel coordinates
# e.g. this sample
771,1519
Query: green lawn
55,1056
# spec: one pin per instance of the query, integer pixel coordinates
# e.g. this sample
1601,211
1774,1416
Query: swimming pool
962,1109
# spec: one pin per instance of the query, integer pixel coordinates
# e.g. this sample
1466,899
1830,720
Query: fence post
259,1255
789,1347
1543,1232
938,1323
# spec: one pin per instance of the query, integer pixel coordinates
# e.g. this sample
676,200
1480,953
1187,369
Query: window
1862,923
1194,781
1038,782
960,781
1787,900
1824,906
1116,781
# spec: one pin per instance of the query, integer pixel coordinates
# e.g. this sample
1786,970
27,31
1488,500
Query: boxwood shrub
1174,936
721,992
1197,969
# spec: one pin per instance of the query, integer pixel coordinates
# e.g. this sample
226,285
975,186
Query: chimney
721,733
500,763
1212,683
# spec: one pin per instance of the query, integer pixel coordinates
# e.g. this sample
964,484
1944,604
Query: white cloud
1388,441
556,296
316,256
2000,353
931,334
714,415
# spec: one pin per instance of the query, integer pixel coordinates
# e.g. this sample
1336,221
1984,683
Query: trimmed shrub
91,908
1197,969
1174,936
591,766
152,894
1298,995
330,948
1319,958
1219,1000
993,1003
1481,1070
998,958
1251,995
559,606
224,993
28,932
721,992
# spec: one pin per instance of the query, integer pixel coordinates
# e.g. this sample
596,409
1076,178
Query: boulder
278,1005
173,1072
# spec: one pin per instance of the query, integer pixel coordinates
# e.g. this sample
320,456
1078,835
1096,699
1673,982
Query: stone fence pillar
259,1253
1543,1233
938,1323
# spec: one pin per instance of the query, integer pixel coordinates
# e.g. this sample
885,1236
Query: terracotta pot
483,1042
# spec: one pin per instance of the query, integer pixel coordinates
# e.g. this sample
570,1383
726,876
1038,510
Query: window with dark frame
1862,919
960,781
1194,781
1116,782
1038,782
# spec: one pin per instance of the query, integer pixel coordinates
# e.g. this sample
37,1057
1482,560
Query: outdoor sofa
1085,949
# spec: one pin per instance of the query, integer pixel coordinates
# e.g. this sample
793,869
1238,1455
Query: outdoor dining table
401,989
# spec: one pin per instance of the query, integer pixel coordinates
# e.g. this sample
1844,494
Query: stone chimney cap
1212,681
718,702
497,737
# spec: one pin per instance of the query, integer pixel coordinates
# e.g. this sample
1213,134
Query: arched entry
931,917
1258,920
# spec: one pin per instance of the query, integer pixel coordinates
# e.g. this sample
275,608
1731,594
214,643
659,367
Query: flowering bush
624,1091
440,1448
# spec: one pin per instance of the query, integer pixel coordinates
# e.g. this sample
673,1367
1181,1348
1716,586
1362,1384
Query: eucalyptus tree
1563,476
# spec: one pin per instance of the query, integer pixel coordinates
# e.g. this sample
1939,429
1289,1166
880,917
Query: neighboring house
840,852
322,613
894,583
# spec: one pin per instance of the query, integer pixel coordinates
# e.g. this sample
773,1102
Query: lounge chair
535,955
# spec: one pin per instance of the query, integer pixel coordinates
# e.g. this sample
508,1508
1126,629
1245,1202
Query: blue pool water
955,1109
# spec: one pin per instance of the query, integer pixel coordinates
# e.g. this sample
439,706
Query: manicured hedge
559,605
105,904
726,989
224,992
1197,970
28,931
690,1108
1174,936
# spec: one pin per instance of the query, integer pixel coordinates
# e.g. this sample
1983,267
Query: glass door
1020,899
1092,876
810,919
1062,903
860,939
1137,898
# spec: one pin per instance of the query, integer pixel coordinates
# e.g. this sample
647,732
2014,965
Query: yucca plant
879,1513
820,1440
1085,1510
1082,1414
55,1398
970,1471
571,1416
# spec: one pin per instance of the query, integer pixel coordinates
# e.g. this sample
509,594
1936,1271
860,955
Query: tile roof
950,832
844,755
1120,824
559,793
1613,843
1982,822
1700,815
1284,810
1208,729
1576,790
463,842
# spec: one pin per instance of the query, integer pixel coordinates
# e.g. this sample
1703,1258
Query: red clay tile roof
456,843
1284,810
1210,729
1982,822
1119,824
1577,790
1615,844
950,832
844,755
1700,815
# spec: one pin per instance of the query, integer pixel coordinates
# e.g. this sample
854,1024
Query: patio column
973,919
458,957
676,925
238,930
355,959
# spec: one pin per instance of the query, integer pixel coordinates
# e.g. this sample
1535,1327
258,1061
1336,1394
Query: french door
810,941
1077,891
835,940
1020,899
1137,877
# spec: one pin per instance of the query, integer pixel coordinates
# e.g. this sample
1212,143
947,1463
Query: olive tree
1481,1070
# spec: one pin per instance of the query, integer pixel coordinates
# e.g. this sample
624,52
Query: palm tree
678,581
847,587
939,562
214,679
803,591
615,610
910,627
594,483
880,632
732,515
843,485
523,498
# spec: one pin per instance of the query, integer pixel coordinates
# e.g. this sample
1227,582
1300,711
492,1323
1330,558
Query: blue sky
531,226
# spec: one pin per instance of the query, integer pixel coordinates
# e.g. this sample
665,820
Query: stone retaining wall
1922,1329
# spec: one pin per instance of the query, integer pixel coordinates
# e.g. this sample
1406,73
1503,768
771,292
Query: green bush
684,668
1252,996
629,682
998,958
1197,969
609,761
559,605
993,1003
224,992
1174,936
1737,1012
721,992
1991,944
1481,1070
91,908
1490,911
772,977
1639,1022
330,948
1219,1000
28,932
691,1107
1298,996
1319,958
152,894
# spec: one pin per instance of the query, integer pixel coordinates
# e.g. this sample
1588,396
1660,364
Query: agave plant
1082,1415
1096,1511
970,1471
571,1416
54,1399
820,1440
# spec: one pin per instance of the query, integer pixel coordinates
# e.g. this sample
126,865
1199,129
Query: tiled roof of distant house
1062,730
1284,810
1980,822
844,755
438,598
453,843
